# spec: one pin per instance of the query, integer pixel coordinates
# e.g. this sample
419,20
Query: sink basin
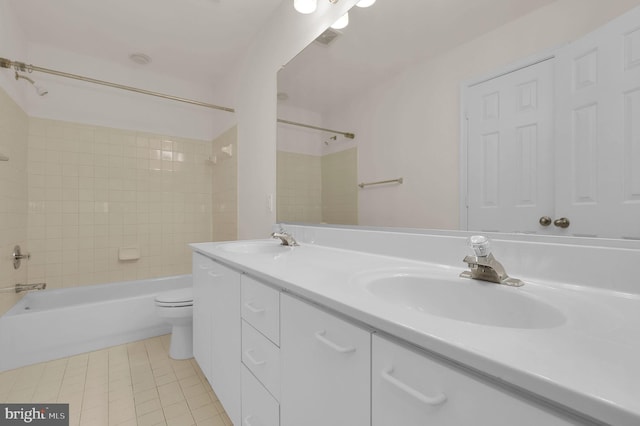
462,299
256,247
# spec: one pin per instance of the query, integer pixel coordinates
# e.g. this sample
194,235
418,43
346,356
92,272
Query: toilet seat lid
181,295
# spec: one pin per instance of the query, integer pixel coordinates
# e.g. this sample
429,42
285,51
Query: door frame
464,121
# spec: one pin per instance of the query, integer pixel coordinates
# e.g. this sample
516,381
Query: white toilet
176,308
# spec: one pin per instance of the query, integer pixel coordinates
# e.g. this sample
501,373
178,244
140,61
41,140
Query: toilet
176,308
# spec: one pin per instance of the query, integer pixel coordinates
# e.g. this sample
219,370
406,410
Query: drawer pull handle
252,359
249,306
214,274
246,420
203,267
429,400
332,345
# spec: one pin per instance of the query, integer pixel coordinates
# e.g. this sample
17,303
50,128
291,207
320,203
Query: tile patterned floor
132,384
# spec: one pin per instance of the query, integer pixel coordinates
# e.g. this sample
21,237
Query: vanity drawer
412,389
261,307
262,358
259,408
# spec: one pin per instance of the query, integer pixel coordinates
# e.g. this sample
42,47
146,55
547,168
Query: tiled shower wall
340,187
13,195
93,190
299,187
316,189
225,186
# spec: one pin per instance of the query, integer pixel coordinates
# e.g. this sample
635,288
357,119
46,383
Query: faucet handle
480,245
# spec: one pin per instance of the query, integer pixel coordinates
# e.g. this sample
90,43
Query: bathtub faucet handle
18,256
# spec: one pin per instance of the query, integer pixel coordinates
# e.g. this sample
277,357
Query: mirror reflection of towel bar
399,180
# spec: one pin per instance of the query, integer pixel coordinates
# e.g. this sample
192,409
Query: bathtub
50,324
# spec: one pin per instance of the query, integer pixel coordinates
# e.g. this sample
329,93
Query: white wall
297,139
286,34
88,103
409,126
12,45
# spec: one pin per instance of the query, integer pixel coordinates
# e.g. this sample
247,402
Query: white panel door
510,157
598,131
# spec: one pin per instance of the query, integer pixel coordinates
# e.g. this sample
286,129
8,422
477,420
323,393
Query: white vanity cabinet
202,301
216,329
260,309
409,388
325,369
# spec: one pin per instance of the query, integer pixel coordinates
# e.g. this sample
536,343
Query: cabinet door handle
246,421
332,345
252,359
249,306
429,400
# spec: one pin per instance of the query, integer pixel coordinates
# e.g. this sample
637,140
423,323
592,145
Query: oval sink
256,247
465,300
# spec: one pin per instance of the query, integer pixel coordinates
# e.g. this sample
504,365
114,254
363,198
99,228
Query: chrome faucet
286,238
27,287
483,266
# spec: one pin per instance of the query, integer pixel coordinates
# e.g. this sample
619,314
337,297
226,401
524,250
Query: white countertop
589,363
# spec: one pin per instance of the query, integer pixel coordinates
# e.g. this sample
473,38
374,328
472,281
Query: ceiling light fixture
305,6
365,3
310,6
342,22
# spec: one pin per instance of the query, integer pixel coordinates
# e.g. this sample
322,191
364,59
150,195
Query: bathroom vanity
373,327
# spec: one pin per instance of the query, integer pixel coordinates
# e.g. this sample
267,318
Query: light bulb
342,22
365,3
305,6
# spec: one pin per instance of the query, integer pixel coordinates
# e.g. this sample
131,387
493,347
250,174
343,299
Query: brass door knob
563,222
545,221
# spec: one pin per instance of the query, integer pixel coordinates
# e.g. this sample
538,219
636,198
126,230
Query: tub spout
27,287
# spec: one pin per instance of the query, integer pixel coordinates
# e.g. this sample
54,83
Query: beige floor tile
20,395
152,418
94,415
198,401
211,421
227,420
170,393
130,422
148,406
133,384
167,378
190,381
205,412
121,414
175,410
194,390
146,395
183,420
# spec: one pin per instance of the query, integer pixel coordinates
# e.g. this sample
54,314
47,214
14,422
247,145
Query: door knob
563,222
545,221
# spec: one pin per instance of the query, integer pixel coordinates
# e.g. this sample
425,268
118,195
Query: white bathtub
51,324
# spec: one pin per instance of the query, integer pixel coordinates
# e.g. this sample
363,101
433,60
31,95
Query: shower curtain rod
347,135
21,66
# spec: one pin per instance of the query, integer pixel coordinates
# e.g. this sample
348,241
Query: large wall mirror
395,78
